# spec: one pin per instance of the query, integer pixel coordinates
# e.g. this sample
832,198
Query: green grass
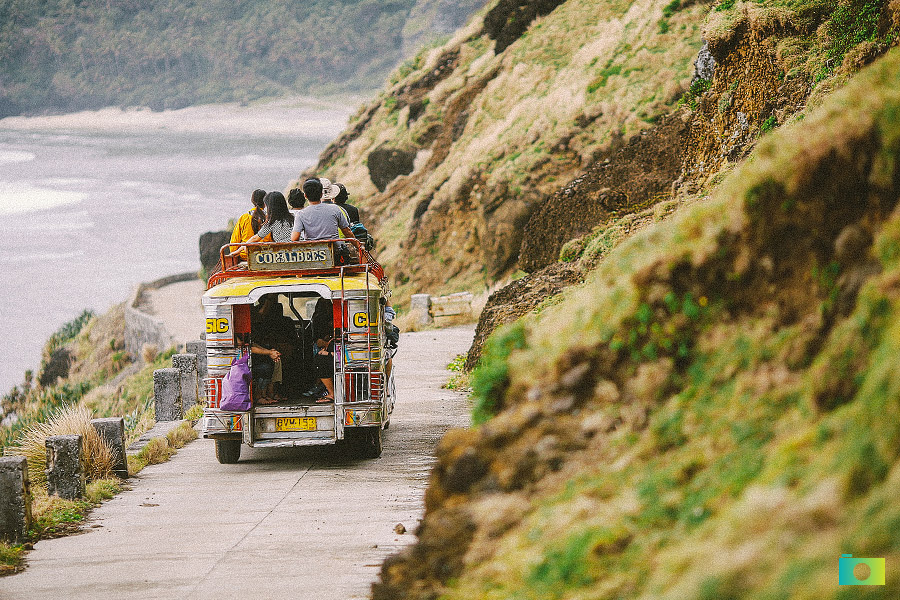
68,331
852,23
160,449
713,424
603,77
53,516
490,378
12,558
459,381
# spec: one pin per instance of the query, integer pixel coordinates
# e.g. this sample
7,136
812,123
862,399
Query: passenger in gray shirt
319,221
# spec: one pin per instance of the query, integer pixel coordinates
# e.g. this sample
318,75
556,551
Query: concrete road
305,523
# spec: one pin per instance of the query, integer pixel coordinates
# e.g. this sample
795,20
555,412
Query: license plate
295,424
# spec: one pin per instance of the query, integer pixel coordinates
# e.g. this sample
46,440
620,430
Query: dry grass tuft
181,435
160,449
97,456
149,352
157,451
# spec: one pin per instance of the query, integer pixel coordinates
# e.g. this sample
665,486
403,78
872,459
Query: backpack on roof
362,234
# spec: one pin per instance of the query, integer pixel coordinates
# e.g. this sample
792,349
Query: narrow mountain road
305,523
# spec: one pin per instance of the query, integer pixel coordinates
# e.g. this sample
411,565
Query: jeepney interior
295,342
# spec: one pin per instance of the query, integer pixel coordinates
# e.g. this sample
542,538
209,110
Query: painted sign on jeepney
288,258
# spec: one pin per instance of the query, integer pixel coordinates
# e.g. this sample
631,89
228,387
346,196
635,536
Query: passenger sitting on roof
330,191
249,223
341,200
295,200
279,221
319,221
359,230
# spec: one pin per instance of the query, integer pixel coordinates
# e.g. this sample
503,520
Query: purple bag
236,386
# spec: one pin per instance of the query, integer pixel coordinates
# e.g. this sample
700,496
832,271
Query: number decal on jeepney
361,319
217,326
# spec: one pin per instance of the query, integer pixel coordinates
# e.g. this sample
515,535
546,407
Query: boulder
210,244
387,164
509,19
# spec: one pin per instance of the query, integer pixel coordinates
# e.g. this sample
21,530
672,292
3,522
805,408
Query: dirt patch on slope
636,176
749,95
518,299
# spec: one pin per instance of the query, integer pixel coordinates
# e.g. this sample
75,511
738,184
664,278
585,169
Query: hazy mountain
61,55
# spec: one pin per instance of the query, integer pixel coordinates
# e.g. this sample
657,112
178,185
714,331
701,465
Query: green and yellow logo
860,571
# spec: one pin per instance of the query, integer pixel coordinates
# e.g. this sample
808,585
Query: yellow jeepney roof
242,286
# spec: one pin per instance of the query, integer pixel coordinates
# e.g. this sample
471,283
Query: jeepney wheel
228,452
369,442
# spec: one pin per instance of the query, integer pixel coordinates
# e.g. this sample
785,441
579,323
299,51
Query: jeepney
299,276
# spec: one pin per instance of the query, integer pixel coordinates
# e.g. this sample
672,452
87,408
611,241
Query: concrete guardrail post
112,430
198,347
420,305
167,394
65,477
190,386
15,499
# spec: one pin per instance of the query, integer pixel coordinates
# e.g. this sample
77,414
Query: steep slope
462,163
451,161
714,413
70,56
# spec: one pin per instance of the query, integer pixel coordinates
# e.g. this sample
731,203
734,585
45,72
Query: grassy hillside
456,160
490,135
714,413
84,364
68,56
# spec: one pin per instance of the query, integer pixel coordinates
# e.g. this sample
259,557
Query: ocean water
95,203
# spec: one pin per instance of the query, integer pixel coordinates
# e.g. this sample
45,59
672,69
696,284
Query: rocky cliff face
514,106
723,384
463,163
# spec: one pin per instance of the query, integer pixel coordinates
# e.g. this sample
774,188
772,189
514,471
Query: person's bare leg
329,385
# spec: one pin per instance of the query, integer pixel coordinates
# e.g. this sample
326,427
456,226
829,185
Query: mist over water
95,203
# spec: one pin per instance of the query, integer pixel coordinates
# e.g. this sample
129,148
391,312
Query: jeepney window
304,304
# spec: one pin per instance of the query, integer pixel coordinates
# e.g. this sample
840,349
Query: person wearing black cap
341,200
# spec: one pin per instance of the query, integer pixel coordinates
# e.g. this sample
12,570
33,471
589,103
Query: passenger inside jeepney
272,341
323,333
285,365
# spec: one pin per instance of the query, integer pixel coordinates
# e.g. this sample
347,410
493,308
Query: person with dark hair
359,230
341,200
323,334
259,214
249,223
319,221
272,343
279,221
296,200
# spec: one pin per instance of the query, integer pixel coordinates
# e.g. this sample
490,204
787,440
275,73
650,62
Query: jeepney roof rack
294,259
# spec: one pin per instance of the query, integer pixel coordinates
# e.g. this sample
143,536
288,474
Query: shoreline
280,117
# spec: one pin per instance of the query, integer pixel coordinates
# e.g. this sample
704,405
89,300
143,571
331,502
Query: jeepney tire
228,452
370,442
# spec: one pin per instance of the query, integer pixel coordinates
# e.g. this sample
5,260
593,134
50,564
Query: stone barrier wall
65,477
15,499
141,328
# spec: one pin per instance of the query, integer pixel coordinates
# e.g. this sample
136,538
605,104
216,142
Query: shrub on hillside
98,457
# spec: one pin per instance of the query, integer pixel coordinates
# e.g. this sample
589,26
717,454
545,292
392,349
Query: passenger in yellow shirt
250,222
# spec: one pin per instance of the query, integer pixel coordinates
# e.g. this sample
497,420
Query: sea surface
94,203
